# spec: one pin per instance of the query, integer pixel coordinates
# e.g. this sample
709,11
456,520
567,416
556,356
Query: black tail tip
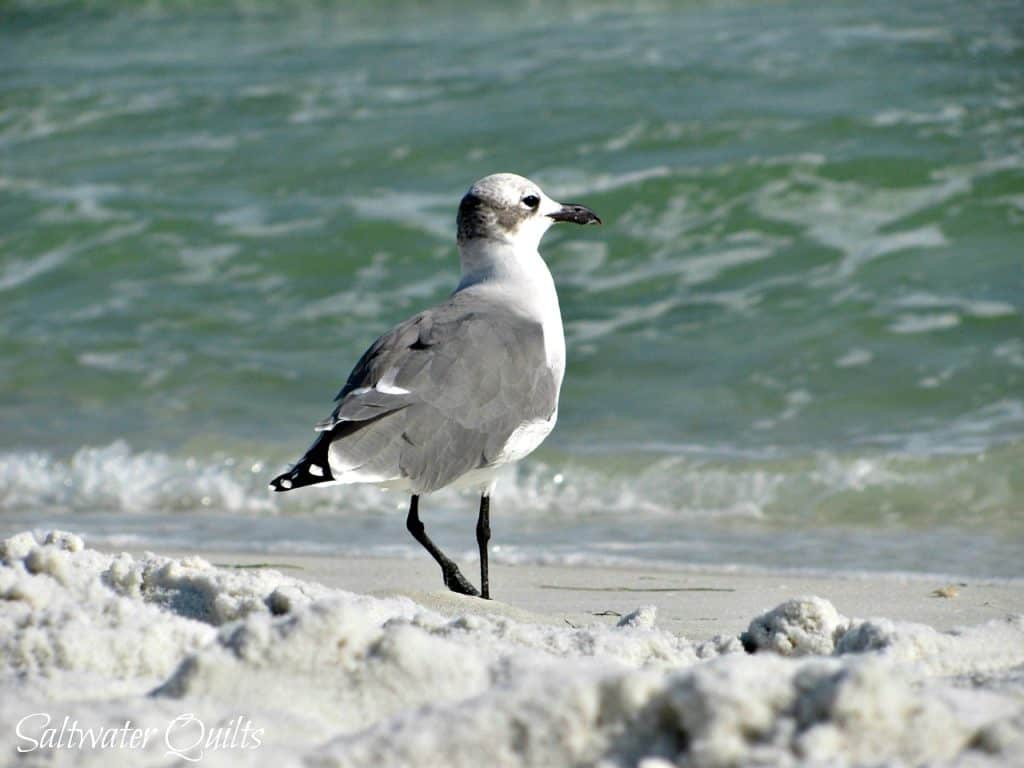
302,474
281,483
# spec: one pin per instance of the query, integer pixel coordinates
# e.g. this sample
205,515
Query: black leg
483,535
453,578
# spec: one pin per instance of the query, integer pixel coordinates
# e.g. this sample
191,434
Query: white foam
18,272
114,479
978,308
568,183
253,221
411,209
925,323
855,219
854,358
204,264
947,113
890,34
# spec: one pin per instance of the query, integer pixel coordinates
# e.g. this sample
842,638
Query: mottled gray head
511,209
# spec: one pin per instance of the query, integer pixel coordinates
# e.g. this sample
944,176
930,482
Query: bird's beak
577,214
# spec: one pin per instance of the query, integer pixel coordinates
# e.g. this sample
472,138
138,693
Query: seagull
452,394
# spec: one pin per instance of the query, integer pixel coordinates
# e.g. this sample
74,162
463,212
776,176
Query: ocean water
797,342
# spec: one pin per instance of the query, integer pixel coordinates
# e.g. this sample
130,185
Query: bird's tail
311,469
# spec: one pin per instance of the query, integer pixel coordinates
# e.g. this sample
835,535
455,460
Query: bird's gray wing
441,393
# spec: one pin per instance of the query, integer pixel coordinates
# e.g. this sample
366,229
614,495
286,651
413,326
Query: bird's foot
456,582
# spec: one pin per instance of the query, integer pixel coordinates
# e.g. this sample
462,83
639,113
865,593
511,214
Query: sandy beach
697,604
227,659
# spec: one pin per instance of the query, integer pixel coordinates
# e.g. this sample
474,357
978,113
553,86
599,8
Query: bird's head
512,210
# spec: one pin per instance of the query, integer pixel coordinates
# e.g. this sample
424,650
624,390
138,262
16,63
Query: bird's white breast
518,278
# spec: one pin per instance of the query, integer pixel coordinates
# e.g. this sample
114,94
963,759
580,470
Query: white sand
697,604
303,665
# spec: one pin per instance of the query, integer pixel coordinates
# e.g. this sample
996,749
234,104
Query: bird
449,396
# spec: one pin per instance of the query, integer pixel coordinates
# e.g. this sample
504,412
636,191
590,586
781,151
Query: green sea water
797,341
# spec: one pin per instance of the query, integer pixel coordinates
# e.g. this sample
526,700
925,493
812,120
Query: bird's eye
531,201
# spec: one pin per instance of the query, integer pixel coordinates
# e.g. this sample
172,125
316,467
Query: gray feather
473,372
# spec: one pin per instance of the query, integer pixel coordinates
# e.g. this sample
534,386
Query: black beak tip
577,214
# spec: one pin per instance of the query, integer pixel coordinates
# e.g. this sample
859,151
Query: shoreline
695,604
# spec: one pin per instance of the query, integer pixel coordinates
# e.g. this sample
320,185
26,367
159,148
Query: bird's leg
453,578
483,535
